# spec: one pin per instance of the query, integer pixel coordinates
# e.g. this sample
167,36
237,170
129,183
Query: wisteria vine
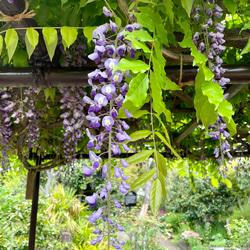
6,107
210,41
107,95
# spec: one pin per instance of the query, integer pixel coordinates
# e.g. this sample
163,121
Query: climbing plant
130,95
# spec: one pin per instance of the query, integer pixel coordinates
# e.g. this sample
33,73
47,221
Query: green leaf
187,5
135,66
31,40
11,40
138,88
50,93
20,59
139,157
83,3
63,2
163,184
187,41
140,113
142,35
50,38
161,163
225,109
213,91
246,49
163,127
246,26
132,109
156,94
199,58
167,144
207,73
208,114
137,44
168,4
143,179
231,5
204,109
161,31
144,20
227,182
146,1
214,182
69,35
155,196
1,44
170,85
88,30
140,135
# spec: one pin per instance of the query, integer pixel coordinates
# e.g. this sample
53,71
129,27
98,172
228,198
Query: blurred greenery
58,213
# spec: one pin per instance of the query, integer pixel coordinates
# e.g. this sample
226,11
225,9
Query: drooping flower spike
107,96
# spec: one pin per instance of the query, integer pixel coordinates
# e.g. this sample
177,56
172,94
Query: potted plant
218,244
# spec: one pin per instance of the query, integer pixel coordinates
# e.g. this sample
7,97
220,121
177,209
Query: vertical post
33,218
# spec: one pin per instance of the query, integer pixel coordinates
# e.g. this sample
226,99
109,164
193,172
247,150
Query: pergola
46,74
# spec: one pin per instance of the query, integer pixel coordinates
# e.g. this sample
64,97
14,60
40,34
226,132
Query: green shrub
171,221
206,204
239,232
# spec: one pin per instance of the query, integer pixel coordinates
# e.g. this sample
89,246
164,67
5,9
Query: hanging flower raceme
32,116
6,107
106,98
210,41
73,119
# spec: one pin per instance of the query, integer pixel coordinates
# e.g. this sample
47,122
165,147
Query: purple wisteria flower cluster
23,112
27,112
210,41
75,56
106,98
6,107
73,119
32,116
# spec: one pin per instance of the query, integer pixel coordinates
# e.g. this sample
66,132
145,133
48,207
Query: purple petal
109,186
87,171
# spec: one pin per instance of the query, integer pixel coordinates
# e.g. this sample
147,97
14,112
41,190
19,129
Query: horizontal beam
26,77
59,77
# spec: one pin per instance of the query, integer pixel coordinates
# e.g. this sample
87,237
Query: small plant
218,241
191,238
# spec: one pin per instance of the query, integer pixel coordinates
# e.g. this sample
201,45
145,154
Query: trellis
46,74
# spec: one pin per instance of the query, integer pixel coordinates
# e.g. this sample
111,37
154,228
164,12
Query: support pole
33,218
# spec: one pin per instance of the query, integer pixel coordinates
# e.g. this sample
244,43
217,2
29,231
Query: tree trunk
51,175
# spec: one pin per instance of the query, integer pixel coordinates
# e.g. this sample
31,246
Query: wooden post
33,218
30,185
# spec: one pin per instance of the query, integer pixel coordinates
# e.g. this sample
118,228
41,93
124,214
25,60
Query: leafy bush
206,204
239,232
171,221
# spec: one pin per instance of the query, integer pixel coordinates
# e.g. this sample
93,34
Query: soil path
162,240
